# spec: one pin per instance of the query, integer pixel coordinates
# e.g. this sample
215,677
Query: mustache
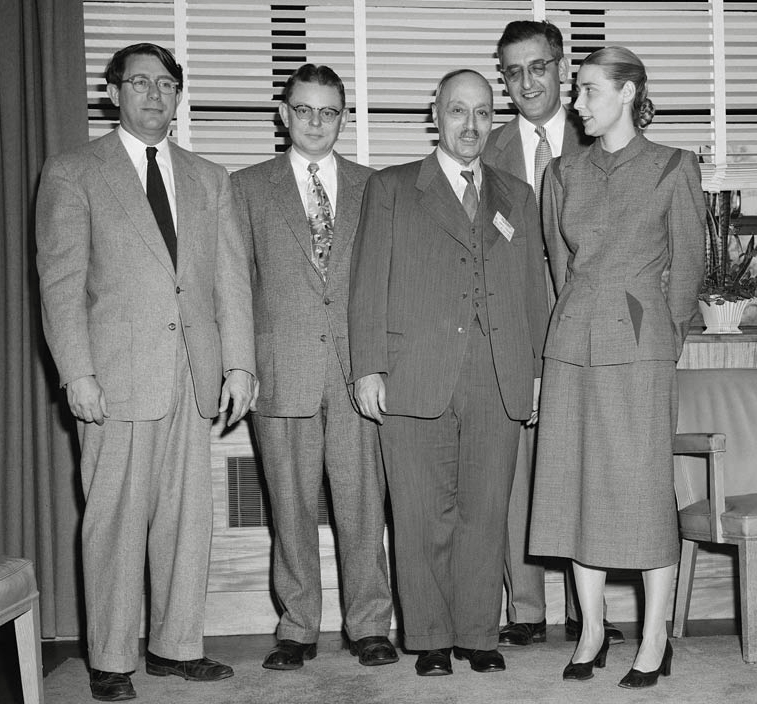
469,134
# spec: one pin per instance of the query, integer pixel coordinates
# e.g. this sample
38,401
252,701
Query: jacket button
327,301
172,326
461,330
463,260
323,338
178,289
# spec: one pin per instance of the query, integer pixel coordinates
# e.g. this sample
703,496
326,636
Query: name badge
503,226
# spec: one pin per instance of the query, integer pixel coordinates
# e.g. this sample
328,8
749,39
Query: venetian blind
701,58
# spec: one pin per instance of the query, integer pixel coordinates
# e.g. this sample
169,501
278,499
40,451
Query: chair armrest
698,443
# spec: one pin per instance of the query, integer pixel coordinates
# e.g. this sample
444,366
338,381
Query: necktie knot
151,153
312,167
541,131
468,176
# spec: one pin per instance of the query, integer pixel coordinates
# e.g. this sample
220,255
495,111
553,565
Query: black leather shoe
374,650
434,662
585,670
523,633
573,631
199,670
636,678
289,655
481,660
111,686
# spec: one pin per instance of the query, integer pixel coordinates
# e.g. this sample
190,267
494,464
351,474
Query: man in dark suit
533,66
146,308
299,212
447,319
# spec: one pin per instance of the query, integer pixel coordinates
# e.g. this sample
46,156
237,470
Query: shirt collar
555,128
452,168
135,147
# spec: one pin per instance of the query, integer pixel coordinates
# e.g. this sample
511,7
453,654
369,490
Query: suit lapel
118,172
510,146
289,203
349,199
440,202
189,197
494,200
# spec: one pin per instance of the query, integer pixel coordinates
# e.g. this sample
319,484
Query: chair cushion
17,581
739,519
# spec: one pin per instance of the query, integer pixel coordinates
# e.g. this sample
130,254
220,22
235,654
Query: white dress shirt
555,129
135,148
326,175
452,171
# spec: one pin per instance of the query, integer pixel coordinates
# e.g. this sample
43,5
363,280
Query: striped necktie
470,196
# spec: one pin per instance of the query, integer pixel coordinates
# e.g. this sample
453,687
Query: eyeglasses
141,84
305,112
535,68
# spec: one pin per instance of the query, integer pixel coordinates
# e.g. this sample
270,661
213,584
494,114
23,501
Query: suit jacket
410,309
504,148
112,304
296,312
613,227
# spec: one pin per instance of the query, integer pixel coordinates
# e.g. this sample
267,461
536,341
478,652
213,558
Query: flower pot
724,318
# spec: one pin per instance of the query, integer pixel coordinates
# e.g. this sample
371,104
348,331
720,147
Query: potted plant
729,285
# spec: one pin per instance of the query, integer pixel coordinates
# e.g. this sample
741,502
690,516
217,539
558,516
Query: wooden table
719,351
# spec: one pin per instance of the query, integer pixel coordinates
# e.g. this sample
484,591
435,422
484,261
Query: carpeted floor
705,669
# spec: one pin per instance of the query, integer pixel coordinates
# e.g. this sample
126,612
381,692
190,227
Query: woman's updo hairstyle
621,65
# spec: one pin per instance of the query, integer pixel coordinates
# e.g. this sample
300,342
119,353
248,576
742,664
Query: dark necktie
541,160
470,196
321,221
156,194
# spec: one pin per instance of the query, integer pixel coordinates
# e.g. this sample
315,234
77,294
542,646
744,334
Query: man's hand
370,395
241,388
535,412
86,399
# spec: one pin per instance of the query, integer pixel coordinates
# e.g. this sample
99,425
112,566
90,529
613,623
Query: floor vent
248,497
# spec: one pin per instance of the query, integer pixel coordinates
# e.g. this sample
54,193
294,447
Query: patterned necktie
156,194
470,196
321,221
541,159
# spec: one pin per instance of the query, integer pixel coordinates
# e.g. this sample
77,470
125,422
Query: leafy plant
726,279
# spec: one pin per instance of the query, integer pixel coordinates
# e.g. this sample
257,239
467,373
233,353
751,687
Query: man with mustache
447,317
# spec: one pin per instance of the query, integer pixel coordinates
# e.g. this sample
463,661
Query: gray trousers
295,452
449,481
148,490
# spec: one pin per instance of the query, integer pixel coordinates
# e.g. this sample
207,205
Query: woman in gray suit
624,226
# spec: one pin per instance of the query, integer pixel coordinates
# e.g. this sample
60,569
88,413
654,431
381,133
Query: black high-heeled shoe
585,670
636,678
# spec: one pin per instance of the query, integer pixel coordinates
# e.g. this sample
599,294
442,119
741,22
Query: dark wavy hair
310,73
523,30
114,72
621,65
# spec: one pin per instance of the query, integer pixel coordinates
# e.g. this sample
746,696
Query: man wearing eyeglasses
533,66
146,309
299,212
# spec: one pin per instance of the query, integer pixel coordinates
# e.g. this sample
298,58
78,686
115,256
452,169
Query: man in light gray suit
447,319
146,308
533,67
299,212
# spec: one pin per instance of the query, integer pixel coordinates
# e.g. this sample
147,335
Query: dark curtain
43,110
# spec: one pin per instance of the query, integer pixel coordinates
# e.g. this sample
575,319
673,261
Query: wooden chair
19,602
711,505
